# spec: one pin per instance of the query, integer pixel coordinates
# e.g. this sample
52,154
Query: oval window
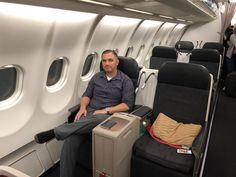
8,79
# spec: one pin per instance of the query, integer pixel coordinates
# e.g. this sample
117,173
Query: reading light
96,2
138,11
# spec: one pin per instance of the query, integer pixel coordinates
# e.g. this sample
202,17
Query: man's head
110,61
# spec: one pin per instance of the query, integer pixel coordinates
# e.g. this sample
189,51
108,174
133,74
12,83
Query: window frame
63,75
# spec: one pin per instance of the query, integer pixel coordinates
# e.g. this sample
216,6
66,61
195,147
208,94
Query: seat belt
150,131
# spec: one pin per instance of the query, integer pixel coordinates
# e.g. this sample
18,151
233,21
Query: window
89,66
57,72
88,63
8,79
129,51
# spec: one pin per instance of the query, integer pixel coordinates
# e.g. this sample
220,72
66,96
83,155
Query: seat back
209,58
214,45
162,54
183,93
184,49
184,46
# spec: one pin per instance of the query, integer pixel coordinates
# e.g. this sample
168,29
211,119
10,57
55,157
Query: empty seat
183,93
184,46
162,54
209,58
214,45
184,49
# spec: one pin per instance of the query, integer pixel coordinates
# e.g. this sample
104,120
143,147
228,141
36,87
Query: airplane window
129,51
88,64
8,79
55,71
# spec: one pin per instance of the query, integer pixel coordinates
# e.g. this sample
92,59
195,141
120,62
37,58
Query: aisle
221,156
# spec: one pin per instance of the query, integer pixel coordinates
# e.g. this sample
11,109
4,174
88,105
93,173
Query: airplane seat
184,46
162,54
214,45
84,164
230,84
184,49
182,93
210,58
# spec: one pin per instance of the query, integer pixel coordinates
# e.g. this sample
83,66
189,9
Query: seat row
209,58
181,91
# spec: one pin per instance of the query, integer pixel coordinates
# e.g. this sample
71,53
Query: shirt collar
117,77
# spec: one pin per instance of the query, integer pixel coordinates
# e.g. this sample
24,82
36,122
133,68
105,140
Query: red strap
149,129
103,174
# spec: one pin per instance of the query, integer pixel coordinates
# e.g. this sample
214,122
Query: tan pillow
173,132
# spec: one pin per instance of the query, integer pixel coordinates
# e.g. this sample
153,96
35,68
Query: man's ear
117,62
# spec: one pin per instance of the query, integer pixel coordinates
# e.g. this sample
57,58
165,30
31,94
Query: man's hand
82,112
101,111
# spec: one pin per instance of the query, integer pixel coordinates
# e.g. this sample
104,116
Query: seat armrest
198,148
142,111
73,111
199,142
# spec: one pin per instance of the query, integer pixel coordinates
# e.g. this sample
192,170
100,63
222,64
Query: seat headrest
209,55
230,84
184,45
164,52
129,66
214,45
184,74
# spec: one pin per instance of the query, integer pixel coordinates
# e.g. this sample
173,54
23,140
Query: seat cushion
147,148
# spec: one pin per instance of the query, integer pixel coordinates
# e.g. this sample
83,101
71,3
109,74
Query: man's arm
118,108
83,105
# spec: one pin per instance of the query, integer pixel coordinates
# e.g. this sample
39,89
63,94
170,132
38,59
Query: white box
112,148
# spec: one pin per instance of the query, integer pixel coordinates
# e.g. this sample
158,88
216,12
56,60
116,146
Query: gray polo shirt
106,93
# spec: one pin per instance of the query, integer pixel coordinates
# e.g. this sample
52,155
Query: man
108,91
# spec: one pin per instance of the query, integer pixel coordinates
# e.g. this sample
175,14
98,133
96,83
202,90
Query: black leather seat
209,58
183,94
214,45
184,46
161,55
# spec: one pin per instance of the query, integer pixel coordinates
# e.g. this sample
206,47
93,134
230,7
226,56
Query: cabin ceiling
191,11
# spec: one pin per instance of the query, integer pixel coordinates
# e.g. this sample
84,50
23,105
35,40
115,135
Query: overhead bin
187,11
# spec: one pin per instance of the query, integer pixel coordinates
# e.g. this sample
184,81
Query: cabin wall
203,32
